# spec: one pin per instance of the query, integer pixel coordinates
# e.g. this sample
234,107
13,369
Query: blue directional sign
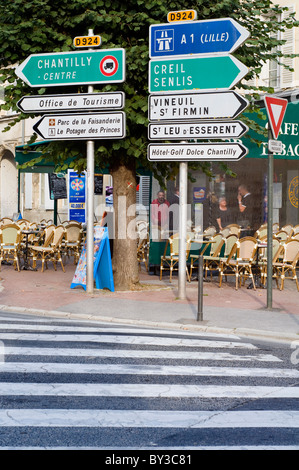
222,35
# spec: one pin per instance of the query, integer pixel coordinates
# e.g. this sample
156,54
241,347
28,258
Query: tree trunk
124,261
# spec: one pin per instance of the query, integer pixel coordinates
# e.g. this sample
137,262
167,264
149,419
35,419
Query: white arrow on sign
218,151
181,106
82,126
76,102
196,130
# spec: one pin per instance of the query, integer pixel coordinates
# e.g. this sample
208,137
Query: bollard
200,289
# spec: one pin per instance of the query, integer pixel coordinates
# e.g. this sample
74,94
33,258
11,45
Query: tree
39,26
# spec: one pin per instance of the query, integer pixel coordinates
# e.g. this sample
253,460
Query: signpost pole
90,208
269,222
182,230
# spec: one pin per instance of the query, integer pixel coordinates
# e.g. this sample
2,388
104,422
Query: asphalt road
86,385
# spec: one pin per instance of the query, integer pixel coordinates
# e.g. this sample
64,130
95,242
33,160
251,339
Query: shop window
45,201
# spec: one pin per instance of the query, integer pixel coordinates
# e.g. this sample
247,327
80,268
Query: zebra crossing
68,384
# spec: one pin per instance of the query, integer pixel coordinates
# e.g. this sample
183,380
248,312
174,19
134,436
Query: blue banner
77,197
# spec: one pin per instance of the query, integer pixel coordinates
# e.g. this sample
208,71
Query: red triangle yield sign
276,108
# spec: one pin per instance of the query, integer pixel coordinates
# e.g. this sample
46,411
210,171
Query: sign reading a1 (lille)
73,68
76,102
174,106
195,73
82,126
218,151
196,130
222,35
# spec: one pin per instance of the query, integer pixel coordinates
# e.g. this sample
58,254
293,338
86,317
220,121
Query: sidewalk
225,310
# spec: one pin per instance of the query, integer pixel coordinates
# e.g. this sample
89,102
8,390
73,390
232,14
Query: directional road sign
218,151
174,106
195,73
75,102
196,130
222,35
73,68
82,126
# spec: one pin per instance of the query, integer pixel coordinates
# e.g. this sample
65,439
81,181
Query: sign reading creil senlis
73,68
195,73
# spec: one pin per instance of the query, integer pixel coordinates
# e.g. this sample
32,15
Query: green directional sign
73,68
195,73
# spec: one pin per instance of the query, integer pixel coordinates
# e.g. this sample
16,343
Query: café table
26,266
257,277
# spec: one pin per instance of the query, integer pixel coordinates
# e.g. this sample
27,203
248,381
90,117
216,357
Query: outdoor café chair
288,228
277,248
282,236
230,242
234,229
296,230
286,269
170,261
240,261
50,250
212,260
10,240
72,241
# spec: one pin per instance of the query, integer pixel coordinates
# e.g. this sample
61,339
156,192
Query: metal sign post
200,288
182,230
276,108
270,223
90,208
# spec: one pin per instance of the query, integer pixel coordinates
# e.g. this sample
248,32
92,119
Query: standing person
224,216
246,209
210,206
174,210
160,212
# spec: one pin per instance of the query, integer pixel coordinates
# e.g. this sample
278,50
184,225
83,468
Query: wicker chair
286,269
72,241
50,250
240,261
170,262
10,240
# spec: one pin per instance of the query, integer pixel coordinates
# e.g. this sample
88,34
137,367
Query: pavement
241,312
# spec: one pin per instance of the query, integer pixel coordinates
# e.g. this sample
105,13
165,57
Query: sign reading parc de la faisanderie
73,68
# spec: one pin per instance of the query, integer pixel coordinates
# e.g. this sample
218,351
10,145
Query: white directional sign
196,130
82,126
181,106
218,151
76,102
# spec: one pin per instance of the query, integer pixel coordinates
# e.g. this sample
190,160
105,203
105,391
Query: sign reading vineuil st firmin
180,106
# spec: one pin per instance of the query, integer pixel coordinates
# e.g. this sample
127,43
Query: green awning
289,135
24,155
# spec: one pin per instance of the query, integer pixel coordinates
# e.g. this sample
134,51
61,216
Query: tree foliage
40,26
